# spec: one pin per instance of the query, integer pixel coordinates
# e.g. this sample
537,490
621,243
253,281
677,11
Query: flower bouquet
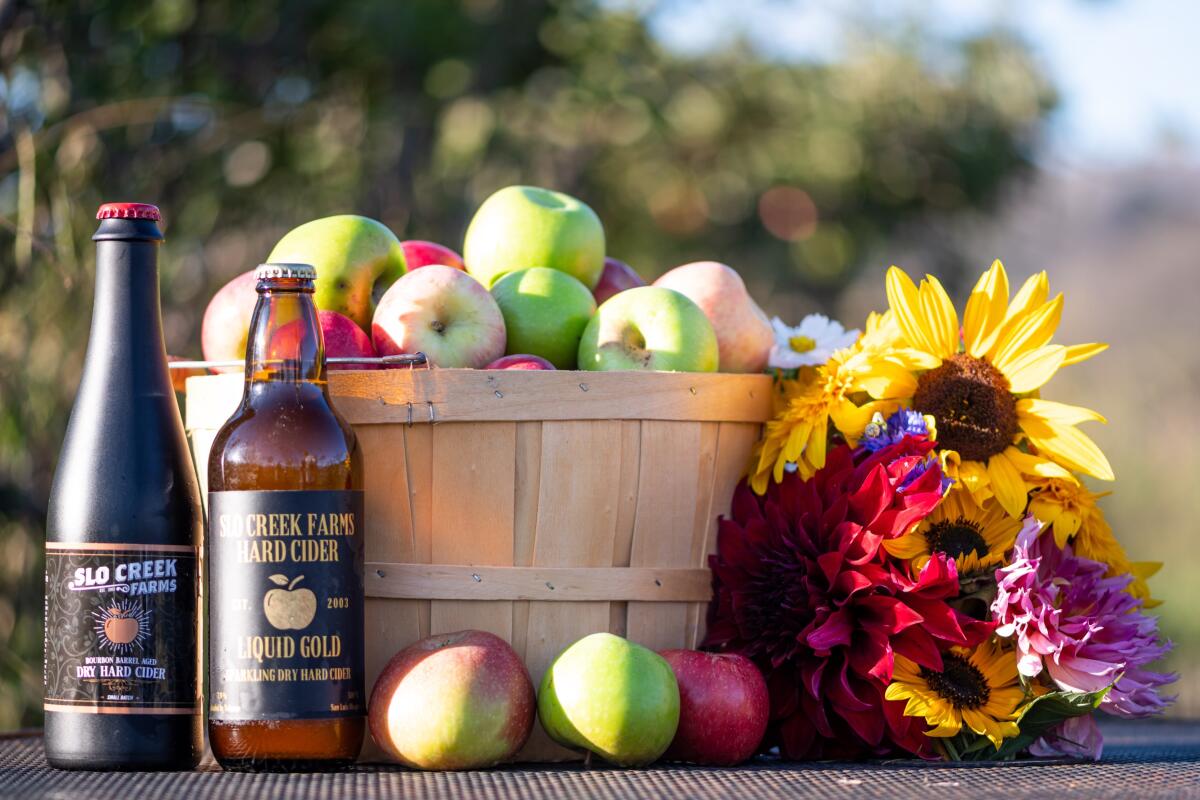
914,560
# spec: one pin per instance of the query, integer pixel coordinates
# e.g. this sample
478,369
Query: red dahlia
803,587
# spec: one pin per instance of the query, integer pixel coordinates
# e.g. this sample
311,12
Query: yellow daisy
839,392
1069,511
977,688
977,538
799,432
980,383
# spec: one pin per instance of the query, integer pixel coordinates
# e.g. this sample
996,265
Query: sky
1128,70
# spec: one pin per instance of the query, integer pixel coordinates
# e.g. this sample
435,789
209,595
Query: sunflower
1070,512
980,383
977,688
977,538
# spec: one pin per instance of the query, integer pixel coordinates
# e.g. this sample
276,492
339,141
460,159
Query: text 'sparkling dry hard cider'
121,689
285,552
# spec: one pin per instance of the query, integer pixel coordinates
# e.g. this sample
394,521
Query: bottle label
120,629
286,605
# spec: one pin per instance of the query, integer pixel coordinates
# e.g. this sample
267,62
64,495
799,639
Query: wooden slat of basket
465,395
576,527
666,512
527,470
404,581
478,457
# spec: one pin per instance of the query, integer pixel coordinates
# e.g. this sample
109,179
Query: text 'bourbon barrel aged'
122,531
285,552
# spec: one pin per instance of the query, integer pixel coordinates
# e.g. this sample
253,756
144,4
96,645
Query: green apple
652,329
351,254
545,312
612,697
523,226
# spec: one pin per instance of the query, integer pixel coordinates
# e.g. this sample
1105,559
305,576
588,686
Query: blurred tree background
242,120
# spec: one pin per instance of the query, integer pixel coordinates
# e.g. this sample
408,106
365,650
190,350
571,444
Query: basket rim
403,396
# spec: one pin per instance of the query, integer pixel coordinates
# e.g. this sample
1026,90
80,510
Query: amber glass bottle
285,552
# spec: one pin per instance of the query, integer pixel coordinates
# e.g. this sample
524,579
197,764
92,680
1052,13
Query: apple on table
459,700
744,334
612,697
525,226
723,707
649,328
441,312
351,255
545,312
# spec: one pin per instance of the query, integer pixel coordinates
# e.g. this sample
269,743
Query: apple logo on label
120,629
289,609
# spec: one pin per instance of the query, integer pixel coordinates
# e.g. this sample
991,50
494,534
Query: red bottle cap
128,211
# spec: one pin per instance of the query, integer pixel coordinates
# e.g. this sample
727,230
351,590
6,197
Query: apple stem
295,580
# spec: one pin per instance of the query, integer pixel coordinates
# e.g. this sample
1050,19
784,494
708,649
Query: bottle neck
285,345
126,339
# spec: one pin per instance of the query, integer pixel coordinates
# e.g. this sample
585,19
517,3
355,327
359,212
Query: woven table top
1146,759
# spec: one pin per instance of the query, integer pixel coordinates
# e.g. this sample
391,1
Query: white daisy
812,342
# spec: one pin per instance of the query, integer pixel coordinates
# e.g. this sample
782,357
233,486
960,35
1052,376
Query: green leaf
1043,713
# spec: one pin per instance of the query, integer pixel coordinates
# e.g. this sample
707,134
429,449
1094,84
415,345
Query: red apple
227,321
419,253
454,701
520,361
723,707
344,339
616,277
744,334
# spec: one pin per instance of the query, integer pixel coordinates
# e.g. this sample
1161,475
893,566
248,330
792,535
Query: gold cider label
120,629
286,604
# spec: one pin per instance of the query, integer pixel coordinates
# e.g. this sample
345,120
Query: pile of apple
465,701
533,290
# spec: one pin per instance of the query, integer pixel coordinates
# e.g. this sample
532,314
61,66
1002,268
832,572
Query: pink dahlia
803,587
1084,629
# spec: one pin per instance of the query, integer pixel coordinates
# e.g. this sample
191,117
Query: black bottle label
286,605
120,629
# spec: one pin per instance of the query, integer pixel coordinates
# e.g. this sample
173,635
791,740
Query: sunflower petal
1060,413
1031,295
1033,330
1037,466
1007,484
1082,352
887,380
940,315
985,310
1067,445
1034,368
906,306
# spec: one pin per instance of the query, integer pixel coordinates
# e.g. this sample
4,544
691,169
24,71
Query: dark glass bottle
122,534
285,552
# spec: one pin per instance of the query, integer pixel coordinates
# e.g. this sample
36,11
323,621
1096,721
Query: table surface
1143,759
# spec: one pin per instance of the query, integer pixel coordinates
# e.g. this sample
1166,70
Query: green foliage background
242,120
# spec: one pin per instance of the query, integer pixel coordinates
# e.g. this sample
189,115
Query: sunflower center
975,411
802,344
960,682
956,538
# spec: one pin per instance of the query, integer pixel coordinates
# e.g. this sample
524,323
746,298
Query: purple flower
1077,737
1081,627
881,433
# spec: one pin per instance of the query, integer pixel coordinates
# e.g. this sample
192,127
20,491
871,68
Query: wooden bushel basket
540,506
